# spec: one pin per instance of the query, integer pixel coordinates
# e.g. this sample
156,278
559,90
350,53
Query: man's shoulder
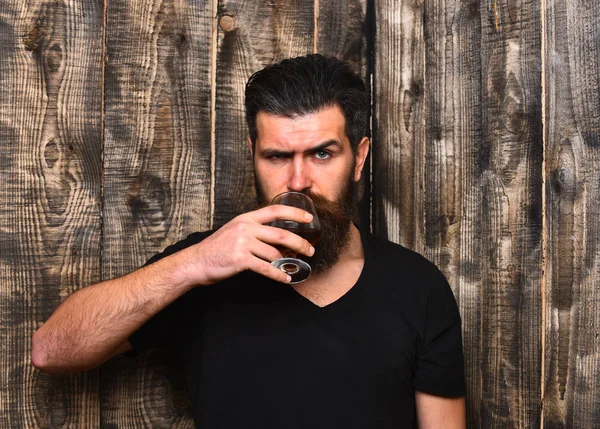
388,251
401,265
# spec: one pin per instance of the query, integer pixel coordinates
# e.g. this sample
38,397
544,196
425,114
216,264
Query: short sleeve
440,361
166,328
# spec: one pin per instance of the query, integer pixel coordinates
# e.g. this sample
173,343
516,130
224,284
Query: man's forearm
93,323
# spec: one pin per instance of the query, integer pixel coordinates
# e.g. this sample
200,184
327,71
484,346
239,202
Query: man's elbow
42,359
39,356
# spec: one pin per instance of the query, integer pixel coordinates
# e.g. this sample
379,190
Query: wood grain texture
572,79
342,32
398,125
510,180
251,36
448,191
50,122
457,178
156,171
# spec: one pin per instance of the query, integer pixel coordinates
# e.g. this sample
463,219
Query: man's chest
298,356
292,338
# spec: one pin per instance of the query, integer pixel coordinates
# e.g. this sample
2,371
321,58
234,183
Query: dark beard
335,218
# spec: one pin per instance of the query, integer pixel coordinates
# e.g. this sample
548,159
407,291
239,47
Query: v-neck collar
360,283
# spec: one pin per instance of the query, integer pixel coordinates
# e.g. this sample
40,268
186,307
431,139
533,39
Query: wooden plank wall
571,383
122,130
157,176
50,197
466,184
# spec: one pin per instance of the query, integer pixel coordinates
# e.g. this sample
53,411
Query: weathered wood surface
458,177
157,178
448,188
342,32
399,123
50,124
572,131
251,35
508,170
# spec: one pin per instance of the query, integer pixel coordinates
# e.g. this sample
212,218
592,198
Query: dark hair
303,85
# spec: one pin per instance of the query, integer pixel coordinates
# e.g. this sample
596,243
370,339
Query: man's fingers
265,251
247,243
266,269
282,237
280,212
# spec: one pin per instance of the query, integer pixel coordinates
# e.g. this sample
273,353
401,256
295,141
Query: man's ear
250,146
361,155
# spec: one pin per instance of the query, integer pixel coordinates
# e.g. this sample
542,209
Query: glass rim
290,192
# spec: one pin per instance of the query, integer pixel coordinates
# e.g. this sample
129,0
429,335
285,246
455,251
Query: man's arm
94,323
436,412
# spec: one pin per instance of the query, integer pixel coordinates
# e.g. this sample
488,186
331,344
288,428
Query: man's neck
326,287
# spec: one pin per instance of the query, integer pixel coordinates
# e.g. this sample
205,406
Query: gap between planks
544,220
102,134
213,110
316,27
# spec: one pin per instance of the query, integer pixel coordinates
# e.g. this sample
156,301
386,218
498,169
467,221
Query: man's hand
246,243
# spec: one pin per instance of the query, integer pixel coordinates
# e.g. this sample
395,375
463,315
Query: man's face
310,152
313,155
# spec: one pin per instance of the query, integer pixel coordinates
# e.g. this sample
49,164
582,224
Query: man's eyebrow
275,152
324,146
284,153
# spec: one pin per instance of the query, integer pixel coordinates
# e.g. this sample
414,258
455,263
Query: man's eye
322,154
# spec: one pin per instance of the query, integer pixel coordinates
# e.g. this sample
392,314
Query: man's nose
299,176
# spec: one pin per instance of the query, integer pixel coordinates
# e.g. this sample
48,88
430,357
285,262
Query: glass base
297,269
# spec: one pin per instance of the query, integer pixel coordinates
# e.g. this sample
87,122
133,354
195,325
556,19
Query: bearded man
372,339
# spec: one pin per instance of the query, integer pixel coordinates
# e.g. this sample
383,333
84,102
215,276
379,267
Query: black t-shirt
257,354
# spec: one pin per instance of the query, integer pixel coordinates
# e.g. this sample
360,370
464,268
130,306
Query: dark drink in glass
297,269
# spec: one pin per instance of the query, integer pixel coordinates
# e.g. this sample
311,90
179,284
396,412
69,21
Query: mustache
341,210
331,211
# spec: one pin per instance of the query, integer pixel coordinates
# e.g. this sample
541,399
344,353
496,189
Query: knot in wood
51,153
227,23
34,39
54,58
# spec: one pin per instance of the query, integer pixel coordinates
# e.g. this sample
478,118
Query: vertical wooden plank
572,130
448,189
510,166
458,148
251,35
156,173
342,32
50,122
398,124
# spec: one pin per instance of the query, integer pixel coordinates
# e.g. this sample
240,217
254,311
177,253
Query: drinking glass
297,269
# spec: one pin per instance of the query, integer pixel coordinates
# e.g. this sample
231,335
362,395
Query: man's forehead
327,123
